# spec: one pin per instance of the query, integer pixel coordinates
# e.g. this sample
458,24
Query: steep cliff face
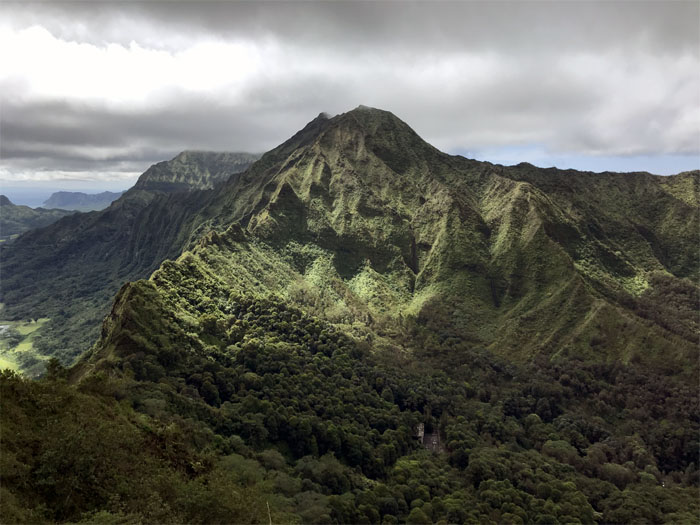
194,170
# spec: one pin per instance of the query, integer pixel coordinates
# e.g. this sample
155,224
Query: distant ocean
27,196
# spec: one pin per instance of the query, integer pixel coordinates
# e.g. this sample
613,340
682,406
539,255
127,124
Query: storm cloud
99,89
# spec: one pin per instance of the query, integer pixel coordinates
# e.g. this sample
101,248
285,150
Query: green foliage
523,447
71,270
73,456
336,298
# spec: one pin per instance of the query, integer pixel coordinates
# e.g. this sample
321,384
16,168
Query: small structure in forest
420,432
431,441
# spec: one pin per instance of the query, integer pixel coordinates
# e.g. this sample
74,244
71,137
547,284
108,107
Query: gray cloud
587,78
515,26
90,138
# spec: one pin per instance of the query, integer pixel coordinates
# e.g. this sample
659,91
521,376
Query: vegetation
321,428
529,260
79,455
362,329
17,340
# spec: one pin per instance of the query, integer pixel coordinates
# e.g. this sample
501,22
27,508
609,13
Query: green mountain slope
500,256
17,219
355,287
70,271
526,260
361,201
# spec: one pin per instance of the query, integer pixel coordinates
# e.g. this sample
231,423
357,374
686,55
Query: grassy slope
17,352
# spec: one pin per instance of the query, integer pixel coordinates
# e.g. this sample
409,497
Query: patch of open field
16,341
7,363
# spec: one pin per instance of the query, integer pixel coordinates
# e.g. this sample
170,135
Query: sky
92,93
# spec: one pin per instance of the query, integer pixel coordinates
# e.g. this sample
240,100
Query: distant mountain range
16,219
78,201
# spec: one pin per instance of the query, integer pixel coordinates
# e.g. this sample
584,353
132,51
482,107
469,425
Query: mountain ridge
351,332
192,169
362,188
90,255
325,192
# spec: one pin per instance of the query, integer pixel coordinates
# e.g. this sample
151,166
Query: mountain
527,260
201,170
374,226
360,328
79,201
16,219
69,271
401,229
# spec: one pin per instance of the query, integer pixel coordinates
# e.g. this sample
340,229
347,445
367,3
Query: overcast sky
94,92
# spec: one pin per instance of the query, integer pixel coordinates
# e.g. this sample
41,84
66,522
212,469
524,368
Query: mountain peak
363,111
384,134
361,131
374,124
375,121
4,201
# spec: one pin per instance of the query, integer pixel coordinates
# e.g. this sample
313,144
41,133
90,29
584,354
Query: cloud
508,26
101,87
